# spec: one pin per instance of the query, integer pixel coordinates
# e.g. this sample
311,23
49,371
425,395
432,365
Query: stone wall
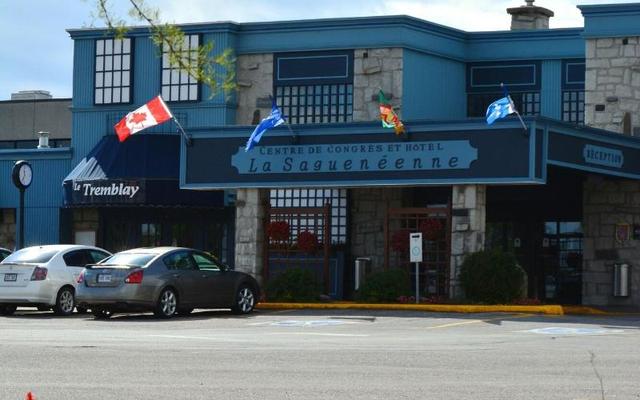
8,228
250,214
468,228
376,69
255,81
368,210
612,102
612,81
608,202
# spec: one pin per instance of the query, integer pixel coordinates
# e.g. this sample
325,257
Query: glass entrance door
550,252
561,259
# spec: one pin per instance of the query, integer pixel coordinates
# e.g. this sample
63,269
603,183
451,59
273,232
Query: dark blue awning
143,170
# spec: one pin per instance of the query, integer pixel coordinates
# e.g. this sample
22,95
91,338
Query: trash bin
621,279
363,267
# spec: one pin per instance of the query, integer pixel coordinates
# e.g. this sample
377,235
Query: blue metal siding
433,87
43,198
83,66
551,90
146,70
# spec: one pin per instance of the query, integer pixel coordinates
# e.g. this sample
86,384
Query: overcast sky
38,52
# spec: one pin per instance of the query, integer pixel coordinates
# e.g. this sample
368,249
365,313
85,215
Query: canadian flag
153,113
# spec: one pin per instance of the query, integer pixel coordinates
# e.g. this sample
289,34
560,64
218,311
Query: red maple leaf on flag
136,118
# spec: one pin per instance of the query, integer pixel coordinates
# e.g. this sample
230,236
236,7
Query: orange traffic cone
30,396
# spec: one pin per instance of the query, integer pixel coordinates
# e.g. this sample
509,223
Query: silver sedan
165,280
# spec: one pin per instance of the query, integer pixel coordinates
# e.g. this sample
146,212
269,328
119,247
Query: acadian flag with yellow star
388,116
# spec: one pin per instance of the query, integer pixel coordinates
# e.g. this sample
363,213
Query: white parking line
317,334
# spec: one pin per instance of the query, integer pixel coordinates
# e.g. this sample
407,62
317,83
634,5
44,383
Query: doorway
542,226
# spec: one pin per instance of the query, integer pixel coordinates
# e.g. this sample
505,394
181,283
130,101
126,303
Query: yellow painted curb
453,308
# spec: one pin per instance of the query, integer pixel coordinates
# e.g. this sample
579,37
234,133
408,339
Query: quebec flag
271,121
500,109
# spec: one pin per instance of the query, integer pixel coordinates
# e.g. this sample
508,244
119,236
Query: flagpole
507,95
186,137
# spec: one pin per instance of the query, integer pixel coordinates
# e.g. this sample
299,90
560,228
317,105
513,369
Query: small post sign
415,247
415,255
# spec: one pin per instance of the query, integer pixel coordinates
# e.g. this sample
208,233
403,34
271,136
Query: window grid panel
317,198
527,103
176,84
309,104
573,106
112,71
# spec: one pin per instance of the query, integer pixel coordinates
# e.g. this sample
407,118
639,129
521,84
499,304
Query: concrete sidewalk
451,308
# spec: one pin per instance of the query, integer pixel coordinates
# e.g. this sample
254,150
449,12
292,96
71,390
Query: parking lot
319,354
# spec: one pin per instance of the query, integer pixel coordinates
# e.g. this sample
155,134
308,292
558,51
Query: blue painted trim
382,32
533,83
545,152
345,75
566,73
360,183
532,149
611,20
36,154
593,169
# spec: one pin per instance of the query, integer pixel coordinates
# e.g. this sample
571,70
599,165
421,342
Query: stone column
250,214
468,227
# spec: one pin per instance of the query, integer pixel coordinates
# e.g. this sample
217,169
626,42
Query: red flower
400,241
307,242
278,231
431,228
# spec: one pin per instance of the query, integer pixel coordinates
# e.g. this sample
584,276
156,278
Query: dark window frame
165,66
315,98
104,71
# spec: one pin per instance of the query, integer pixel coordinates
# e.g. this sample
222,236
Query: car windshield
30,255
136,259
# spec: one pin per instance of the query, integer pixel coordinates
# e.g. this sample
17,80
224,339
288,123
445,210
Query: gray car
165,280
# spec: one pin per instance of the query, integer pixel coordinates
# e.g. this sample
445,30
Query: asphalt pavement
320,354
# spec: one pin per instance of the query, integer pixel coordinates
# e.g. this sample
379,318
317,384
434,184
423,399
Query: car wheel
167,305
185,311
7,310
66,302
101,313
245,300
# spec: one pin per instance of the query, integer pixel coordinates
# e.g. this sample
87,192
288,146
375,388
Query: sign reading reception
363,157
348,157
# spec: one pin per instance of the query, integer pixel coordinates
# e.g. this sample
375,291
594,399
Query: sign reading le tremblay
107,191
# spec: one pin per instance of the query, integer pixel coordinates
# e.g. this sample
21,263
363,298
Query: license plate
102,278
10,277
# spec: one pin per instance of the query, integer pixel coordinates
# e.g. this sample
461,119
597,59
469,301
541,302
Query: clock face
25,175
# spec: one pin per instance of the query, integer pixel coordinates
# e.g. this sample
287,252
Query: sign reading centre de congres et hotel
352,160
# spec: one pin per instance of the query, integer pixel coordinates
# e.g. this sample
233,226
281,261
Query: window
96,256
78,258
205,263
151,235
31,255
317,198
573,106
573,91
113,71
177,85
522,79
133,259
180,261
314,87
527,103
